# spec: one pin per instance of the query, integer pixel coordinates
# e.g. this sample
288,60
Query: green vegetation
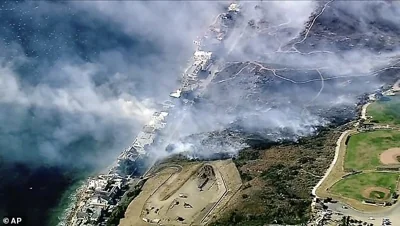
278,181
363,149
363,153
354,185
387,112
120,209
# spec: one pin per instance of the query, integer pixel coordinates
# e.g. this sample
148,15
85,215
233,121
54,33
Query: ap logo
12,220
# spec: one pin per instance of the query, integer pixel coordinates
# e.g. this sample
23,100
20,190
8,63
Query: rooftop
176,94
234,7
202,55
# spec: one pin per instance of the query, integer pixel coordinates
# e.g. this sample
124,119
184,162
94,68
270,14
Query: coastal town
100,195
202,113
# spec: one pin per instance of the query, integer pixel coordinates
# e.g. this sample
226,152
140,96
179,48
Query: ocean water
58,214
32,184
60,123
32,194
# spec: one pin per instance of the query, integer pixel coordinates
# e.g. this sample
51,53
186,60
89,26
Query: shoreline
97,198
75,198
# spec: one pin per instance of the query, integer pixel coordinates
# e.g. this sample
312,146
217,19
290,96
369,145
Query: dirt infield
390,156
367,192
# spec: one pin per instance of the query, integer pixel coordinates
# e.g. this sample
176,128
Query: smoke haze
101,67
78,80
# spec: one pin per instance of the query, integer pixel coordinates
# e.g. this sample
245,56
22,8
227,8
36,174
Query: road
311,25
223,186
393,213
337,150
364,111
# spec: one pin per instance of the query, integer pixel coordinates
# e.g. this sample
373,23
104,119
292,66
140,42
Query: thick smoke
98,69
305,65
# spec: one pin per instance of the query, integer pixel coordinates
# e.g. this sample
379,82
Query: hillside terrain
304,92
277,181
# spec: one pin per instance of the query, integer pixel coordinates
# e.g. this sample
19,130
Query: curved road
337,149
392,213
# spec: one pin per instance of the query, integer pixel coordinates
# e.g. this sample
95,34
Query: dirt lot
184,194
389,157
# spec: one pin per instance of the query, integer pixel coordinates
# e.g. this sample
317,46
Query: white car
371,218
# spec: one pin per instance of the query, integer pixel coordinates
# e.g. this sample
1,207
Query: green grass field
387,112
377,195
353,186
363,149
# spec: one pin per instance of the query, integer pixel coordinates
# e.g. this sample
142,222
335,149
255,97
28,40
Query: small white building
98,201
97,212
233,7
132,157
142,140
97,184
158,120
202,55
203,59
176,94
